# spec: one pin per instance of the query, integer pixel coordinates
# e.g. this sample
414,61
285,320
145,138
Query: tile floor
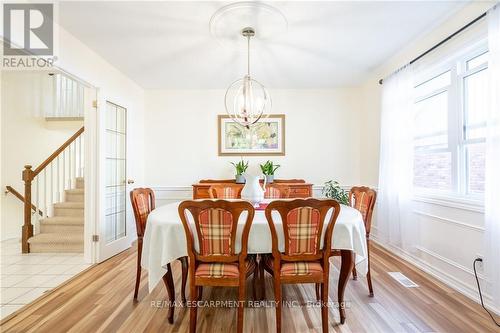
25,277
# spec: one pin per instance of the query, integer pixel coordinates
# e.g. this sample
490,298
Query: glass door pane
116,166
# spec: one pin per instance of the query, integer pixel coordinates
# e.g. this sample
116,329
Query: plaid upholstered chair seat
297,268
301,268
223,270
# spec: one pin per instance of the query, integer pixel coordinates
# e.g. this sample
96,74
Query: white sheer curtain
395,224
492,172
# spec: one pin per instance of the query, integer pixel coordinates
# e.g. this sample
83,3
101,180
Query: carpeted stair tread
75,191
63,220
80,183
56,238
69,205
63,232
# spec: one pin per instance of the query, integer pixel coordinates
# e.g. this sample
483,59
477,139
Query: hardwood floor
100,300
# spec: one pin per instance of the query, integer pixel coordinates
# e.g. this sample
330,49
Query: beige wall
77,59
27,138
369,132
322,136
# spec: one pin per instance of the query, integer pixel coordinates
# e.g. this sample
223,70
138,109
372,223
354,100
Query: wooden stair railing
10,189
28,177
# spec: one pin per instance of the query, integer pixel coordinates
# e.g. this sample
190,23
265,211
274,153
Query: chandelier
246,99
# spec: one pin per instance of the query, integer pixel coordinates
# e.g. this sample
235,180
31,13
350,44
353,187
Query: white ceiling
328,44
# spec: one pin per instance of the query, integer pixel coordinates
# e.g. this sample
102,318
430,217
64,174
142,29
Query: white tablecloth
165,240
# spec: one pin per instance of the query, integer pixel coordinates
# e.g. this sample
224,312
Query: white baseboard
449,280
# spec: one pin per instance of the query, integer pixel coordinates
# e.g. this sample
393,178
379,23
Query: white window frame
457,65
463,142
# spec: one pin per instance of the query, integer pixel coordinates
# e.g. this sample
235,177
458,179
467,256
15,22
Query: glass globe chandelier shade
247,100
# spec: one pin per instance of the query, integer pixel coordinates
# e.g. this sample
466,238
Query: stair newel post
27,230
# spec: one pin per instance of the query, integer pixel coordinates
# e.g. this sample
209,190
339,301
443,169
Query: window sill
464,203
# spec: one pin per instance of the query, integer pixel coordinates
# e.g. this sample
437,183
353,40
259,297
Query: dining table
165,241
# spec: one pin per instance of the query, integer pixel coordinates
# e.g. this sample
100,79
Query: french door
115,229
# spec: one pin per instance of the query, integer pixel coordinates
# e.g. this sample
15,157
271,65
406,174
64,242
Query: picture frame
266,138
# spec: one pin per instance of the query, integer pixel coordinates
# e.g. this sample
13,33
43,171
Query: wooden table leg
345,272
169,283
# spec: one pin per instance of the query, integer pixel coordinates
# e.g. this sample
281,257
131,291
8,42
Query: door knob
130,181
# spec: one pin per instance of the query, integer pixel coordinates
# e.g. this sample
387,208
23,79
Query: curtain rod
444,40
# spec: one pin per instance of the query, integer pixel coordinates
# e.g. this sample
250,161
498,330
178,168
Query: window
432,159
475,82
450,125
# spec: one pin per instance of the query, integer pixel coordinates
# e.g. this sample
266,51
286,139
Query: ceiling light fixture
246,99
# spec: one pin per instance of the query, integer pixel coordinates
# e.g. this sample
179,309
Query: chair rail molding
450,221
170,193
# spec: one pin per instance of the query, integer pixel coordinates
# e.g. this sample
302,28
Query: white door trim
90,175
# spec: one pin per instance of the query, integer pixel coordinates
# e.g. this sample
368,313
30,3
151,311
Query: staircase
62,232
54,200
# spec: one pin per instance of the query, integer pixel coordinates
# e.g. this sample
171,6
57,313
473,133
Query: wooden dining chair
228,191
277,192
143,202
303,261
363,199
216,263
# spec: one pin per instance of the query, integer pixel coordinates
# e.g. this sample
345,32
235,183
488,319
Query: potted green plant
240,167
268,169
333,190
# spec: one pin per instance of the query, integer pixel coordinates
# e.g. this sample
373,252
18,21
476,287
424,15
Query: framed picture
267,137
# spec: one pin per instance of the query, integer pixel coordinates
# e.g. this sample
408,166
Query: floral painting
267,137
